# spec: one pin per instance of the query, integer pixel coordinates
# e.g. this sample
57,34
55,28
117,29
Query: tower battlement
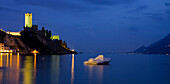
28,14
28,20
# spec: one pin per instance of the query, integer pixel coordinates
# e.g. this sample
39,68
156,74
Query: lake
69,69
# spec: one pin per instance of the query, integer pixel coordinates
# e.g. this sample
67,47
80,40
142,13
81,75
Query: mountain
159,47
140,49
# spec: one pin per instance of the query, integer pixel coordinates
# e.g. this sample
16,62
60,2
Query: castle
31,39
29,27
28,23
28,20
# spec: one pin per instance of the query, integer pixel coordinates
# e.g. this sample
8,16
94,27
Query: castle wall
28,20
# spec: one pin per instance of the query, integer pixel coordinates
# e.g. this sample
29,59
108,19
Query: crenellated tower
28,20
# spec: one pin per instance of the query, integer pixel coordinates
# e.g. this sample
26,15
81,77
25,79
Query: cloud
109,2
168,11
9,9
91,19
167,4
133,29
155,16
61,5
138,9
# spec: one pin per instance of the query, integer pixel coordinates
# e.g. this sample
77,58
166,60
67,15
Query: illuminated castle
28,23
28,20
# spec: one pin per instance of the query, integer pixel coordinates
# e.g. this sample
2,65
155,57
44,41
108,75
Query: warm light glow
1,65
18,60
14,33
72,70
73,50
6,51
54,37
35,57
7,60
27,70
10,60
35,51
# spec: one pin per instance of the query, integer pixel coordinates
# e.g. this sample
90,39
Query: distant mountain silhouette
141,49
159,47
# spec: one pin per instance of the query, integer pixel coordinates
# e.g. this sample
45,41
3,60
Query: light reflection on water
72,70
55,64
11,71
95,71
27,70
69,69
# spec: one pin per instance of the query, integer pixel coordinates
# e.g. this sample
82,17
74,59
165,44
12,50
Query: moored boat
98,60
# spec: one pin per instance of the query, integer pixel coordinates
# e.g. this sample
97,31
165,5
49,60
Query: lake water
69,69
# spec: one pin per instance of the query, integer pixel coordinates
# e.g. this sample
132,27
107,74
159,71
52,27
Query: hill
159,47
33,40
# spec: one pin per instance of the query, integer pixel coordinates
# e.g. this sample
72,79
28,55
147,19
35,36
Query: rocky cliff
30,40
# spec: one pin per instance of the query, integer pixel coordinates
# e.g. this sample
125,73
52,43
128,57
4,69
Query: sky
93,25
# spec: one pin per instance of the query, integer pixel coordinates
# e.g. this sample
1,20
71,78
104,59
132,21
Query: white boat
98,60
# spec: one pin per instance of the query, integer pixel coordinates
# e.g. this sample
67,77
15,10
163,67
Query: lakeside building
29,27
55,37
4,49
14,33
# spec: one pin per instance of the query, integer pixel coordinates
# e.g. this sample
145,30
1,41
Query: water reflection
1,61
27,70
11,71
35,61
95,71
17,69
18,60
8,76
72,70
10,61
55,65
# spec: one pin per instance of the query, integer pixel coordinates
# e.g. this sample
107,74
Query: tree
49,34
43,28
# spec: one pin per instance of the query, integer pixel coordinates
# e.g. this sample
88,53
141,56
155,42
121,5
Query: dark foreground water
69,69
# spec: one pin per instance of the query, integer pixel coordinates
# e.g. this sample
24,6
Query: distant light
72,50
54,37
14,33
35,51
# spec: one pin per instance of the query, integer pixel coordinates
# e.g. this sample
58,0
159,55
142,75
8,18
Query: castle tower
28,20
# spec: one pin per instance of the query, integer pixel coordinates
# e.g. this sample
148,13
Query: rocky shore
33,40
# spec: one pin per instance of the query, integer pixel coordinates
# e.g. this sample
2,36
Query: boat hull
95,63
